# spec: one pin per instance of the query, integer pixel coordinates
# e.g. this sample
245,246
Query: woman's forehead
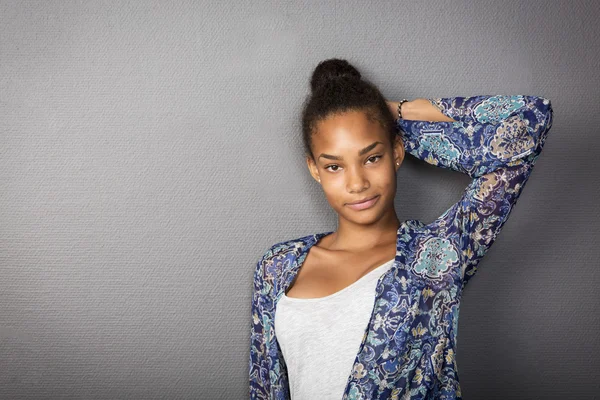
348,131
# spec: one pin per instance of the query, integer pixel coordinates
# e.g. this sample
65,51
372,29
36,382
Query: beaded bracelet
399,108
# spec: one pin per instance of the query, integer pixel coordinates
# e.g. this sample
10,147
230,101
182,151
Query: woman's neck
355,238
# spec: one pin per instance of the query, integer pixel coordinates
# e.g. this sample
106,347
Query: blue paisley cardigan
408,350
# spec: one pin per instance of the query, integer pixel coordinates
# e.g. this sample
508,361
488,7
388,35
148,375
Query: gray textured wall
150,153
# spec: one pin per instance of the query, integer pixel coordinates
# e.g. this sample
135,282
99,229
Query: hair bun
329,71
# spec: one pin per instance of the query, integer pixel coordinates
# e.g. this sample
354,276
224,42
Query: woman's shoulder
281,256
291,247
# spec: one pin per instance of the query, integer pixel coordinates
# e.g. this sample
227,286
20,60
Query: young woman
370,311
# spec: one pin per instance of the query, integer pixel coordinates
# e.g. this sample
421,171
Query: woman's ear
312,168
399,151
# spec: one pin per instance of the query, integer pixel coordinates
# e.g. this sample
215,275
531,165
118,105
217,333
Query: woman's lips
364,205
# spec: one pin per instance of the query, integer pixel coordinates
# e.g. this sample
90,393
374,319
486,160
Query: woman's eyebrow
360,153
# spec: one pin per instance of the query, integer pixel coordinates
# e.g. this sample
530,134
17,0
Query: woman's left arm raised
496,140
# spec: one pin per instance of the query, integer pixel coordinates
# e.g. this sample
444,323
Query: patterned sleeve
496,140
258,363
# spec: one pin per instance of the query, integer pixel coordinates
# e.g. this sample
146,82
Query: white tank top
320,337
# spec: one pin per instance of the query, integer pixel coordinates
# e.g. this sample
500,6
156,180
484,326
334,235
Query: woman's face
355,161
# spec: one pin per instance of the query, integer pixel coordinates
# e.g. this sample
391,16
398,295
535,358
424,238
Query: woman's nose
356,181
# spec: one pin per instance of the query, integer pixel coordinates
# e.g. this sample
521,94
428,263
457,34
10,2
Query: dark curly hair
337,87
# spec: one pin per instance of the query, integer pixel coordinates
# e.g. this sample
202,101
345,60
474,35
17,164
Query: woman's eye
335,168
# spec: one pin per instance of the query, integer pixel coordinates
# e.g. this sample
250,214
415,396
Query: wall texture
150,153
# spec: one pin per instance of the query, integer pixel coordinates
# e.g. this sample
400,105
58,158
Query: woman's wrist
421,110
405,109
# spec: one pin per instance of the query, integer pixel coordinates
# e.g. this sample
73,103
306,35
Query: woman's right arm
258,363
